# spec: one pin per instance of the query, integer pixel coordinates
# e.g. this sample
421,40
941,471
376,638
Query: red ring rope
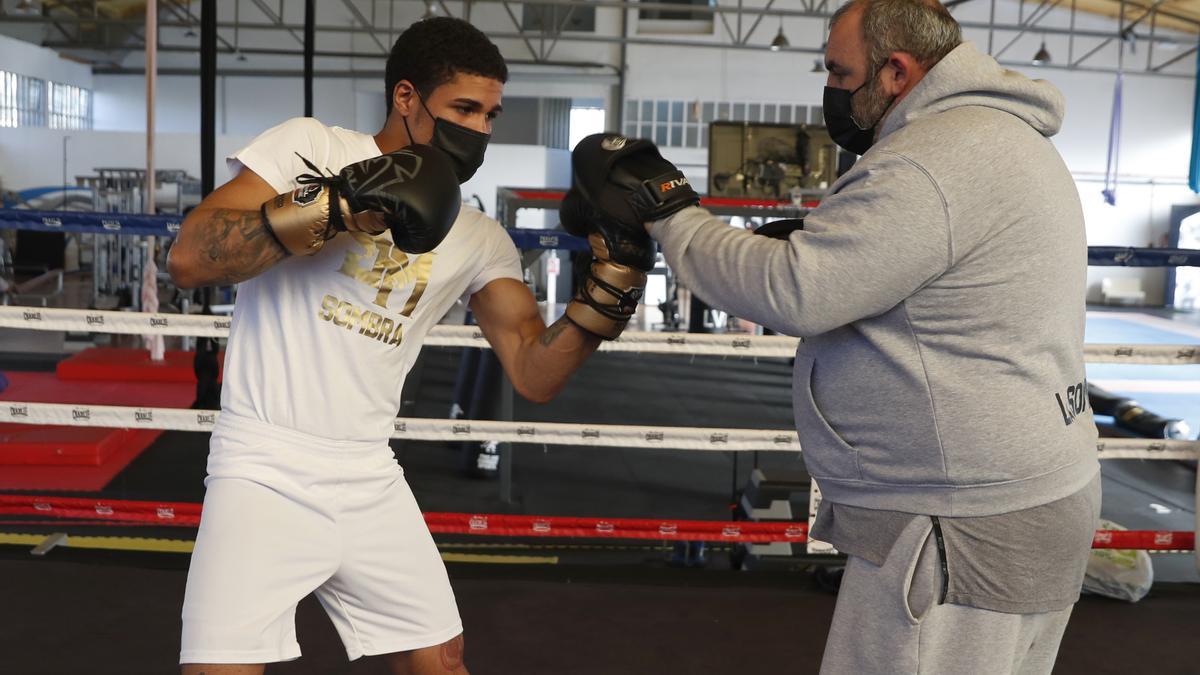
186,514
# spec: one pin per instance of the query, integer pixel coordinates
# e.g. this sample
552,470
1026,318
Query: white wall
119,104
34,157
23,58
249,105
1155,146
245,105
1156,122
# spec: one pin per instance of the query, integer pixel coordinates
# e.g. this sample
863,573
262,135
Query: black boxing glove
614,284
624,245
413,192
629,180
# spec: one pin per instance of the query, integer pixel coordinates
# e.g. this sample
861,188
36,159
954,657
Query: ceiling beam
1043,30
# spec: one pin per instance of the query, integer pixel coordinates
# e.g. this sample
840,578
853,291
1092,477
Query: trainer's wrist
656,227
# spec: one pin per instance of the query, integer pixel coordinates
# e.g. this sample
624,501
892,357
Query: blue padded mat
1117,330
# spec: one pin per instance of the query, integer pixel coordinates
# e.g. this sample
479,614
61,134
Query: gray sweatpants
888,620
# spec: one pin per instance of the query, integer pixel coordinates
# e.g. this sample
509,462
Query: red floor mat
76,477
26,444
130,365
42,457
46,388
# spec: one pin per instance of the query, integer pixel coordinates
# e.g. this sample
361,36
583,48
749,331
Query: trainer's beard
873,102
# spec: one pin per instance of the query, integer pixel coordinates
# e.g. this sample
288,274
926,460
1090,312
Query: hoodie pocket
826,455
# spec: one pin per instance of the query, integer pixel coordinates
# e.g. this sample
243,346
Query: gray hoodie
940,290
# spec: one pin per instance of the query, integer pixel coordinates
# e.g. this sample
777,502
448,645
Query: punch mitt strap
629,180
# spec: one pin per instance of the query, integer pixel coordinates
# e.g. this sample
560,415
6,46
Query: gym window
22,101
553,18
587,117
681,14
70,107
684,124
683,20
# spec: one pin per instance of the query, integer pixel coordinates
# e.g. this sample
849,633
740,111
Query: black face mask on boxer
839,119
464,146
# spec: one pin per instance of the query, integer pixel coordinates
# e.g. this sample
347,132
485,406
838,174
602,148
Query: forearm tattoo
238,245
553,331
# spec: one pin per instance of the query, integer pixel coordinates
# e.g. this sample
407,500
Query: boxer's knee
440,659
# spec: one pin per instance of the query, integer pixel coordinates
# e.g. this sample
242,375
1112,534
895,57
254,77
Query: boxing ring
63,527
63,512
67,511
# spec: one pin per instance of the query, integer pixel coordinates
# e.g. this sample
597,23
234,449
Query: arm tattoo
553,331
238,244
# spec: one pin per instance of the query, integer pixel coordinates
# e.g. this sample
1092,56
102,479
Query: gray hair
923,28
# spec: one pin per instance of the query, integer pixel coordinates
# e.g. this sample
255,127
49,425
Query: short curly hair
923,28
430,52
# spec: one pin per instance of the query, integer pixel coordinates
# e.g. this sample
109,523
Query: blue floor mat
1122,331
1121,371
1116,330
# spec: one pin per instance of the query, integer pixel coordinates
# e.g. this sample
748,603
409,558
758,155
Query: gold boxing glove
609,294
616,280
305,218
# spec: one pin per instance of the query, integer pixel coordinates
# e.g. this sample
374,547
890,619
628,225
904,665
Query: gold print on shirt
347,315
376,262
391,269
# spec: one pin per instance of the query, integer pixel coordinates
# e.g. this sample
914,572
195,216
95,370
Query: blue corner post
1194,170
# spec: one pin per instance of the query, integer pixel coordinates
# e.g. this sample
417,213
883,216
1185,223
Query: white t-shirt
321,344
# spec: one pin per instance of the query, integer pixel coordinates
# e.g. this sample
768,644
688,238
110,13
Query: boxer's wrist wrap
609,295
305,218
302,220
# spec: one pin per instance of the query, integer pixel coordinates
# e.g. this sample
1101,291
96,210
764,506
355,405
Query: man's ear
403,97
901,72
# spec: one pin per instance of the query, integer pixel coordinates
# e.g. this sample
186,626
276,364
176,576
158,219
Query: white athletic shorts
287,514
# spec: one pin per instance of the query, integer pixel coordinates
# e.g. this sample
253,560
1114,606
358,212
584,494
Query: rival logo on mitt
672,184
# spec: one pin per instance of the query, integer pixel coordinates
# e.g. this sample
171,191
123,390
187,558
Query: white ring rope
686,438
765,346
596,435
426,429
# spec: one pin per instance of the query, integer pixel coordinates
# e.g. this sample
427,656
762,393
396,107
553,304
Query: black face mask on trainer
839,119
464,146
